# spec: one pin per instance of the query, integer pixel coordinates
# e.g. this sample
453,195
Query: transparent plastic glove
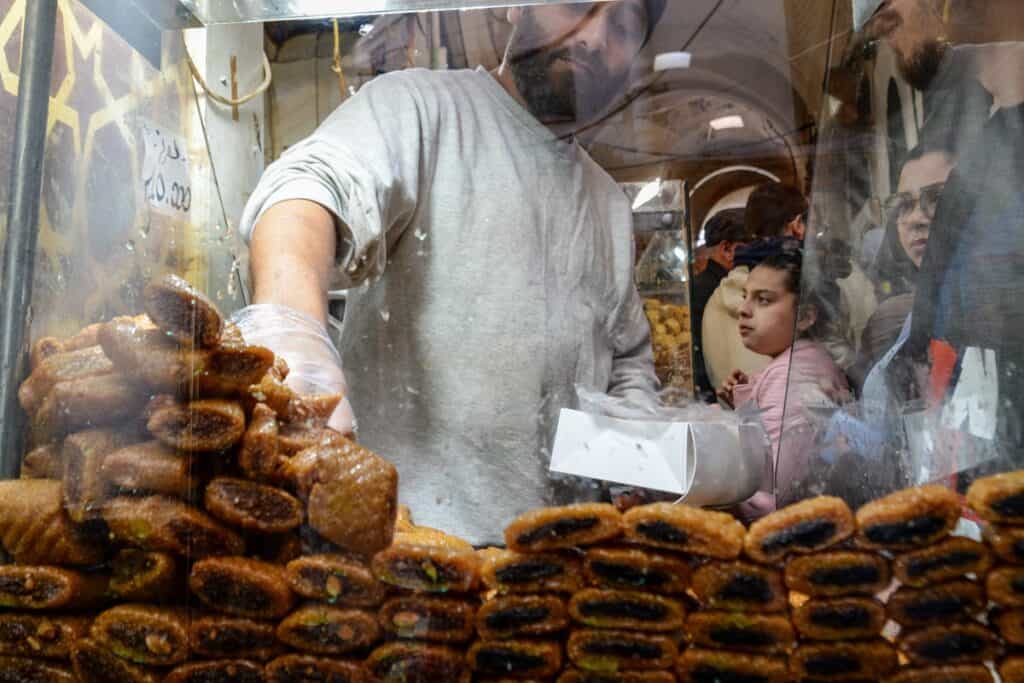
314,364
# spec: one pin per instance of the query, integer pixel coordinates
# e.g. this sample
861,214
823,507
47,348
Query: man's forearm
292,255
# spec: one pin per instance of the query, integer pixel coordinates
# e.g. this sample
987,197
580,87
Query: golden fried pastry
698,665
868,659
334,579
765,633
962,673
948,559
198,426
999,498
164,524
1009,623
739,585
962,643
1007,542
577,676
215,636
434,569
425,617
83,455
144,634
408,662
636,569
326,630
142,576
252,506
151,467
908,519
685,528
515,616
34,528
40,635
259,457
275,548
26,670
611,651
1005,586
805,527
272,390
43,348
182,312
516,658
43,462
86,403
242,586
292,439
61,367
630,610
939,604
94,663
309,669
221,671
42,587
509,572
1011,670
837,573
563,527
311,410
852,618
425,535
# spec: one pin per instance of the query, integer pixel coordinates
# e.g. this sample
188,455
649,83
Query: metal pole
39,27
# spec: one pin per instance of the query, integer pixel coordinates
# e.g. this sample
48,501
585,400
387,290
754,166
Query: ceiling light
727,122
666,61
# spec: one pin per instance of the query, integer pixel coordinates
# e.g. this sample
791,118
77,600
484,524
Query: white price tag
165,171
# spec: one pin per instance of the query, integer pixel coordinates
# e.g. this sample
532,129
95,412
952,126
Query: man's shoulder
423,81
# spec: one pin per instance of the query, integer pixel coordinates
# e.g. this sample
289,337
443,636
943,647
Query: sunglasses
902,204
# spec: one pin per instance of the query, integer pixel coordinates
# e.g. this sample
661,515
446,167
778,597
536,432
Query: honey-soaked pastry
198,426
867,660
632,568
43,462
27,670
242,586
152,467
605,650
577,676
322,629
1005,586
1009,623
408,662
35,529
259,457
838,573
275,548
962,643
514,616
61,367
1011,669
143,576
310,669
908,519
40,635
999,498
83,455
42,587
939,604
252,506
313,410
221,671
765,633
87,403
425,535
516,658
1007,542
424,617
852,618
948,559
739,585
216,636
352,495
272,390
427,568
182,312
292,439
632,610
83,339
42,348
334,579
563,527
144,634
961,673
685,528
164,524
805,527
94,663
698,665
509,572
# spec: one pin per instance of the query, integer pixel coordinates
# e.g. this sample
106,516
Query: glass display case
299,298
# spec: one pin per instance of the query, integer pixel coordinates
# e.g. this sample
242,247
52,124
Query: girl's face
768,313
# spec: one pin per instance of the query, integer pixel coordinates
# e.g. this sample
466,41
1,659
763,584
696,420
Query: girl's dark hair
823,297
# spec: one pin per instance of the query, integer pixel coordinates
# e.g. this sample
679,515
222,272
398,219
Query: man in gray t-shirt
487,261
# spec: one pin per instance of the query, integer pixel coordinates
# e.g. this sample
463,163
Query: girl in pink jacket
774,324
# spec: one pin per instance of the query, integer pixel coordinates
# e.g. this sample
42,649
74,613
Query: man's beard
923,66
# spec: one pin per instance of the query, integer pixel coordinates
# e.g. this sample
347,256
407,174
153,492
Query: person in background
724,233
774,322
774,212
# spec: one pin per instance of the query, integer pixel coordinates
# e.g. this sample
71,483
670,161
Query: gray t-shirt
489,267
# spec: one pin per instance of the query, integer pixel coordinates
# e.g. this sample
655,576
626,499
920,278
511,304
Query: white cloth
505,259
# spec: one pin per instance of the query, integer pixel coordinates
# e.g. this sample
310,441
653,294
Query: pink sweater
812,377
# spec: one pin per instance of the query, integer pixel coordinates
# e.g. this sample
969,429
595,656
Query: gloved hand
314,364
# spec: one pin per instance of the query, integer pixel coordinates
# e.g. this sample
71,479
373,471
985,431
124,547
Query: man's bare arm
292,255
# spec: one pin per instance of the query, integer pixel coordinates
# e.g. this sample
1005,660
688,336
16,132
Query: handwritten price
165,173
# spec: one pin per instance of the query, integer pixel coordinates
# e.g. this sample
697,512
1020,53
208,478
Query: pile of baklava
184,516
